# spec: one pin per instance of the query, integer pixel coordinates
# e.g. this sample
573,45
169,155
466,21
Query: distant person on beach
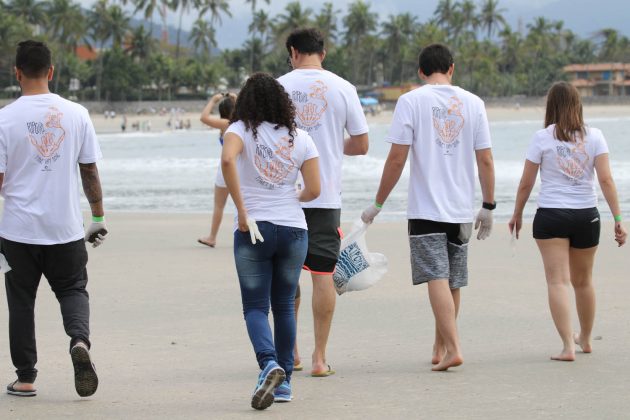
446,129
325,105
226,105
567,222
43,138
263,154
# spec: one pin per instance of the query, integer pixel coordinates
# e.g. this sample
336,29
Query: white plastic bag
357,268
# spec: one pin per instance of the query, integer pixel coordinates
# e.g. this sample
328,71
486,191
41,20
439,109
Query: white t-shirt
268,168
325,105
567,169
42,140
444,125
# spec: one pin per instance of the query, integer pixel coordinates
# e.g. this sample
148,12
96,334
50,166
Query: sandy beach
495,113
170,341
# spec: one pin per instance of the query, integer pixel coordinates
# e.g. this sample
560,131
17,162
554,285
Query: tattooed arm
92,188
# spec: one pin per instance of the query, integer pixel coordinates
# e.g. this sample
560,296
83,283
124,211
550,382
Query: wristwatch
489,206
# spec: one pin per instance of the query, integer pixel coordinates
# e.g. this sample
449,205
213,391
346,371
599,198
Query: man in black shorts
446,130
325,105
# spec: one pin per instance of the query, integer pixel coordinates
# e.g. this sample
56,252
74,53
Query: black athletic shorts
324,239
580,226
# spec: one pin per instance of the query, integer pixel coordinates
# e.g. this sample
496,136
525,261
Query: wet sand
170,341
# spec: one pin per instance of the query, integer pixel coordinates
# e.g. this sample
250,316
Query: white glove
483,222
370,213
254,233
95,233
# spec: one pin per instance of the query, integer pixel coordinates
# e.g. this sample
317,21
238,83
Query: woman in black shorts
567,223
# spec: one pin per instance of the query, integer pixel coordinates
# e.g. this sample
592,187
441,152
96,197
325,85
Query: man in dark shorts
446,130
44,139
326,105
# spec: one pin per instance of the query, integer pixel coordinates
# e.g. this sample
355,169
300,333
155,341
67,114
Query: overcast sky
581,16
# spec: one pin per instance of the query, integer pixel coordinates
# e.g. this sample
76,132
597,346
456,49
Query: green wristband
98,219
378,205
618,218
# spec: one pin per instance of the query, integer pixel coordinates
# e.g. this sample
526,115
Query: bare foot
565,356
207,241
297,363
23,386
437,354
449,361
585,345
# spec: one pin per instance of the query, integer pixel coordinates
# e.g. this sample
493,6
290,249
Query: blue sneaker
283,393
268,380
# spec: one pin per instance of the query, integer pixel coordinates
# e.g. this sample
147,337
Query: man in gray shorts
446,130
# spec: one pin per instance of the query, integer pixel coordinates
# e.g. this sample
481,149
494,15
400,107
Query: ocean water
174,171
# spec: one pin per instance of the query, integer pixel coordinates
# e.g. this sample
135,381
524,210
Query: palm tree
491,16
12,30
106,23
203,37
295,17
253,3
140,43
66,25
360,22
326,22
468,11
444,12
149,7
610,44
397,32
215,8
184,8
32,12
261,25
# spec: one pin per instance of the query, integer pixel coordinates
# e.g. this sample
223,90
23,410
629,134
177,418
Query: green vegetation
492,59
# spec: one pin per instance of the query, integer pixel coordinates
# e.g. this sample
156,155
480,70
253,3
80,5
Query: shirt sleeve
356,123
401,130
311,149
482,133
534,151
601,147
90,149
237,128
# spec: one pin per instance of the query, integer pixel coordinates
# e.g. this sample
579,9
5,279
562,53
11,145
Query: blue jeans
268,273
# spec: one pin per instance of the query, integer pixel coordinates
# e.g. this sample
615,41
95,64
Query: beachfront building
600,79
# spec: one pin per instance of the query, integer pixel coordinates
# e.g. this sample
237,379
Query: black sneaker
85,379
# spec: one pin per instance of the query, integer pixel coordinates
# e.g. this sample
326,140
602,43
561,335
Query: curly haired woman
263,154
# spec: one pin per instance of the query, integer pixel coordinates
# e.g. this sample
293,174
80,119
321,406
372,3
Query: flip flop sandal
298,367
19,393
205,243
324,373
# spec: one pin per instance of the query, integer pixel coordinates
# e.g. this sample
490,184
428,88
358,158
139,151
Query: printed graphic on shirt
448,123
309,107
274,165
573,161
47,137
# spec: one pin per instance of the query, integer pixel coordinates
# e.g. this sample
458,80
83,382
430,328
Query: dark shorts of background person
580,226
324,239
439,250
